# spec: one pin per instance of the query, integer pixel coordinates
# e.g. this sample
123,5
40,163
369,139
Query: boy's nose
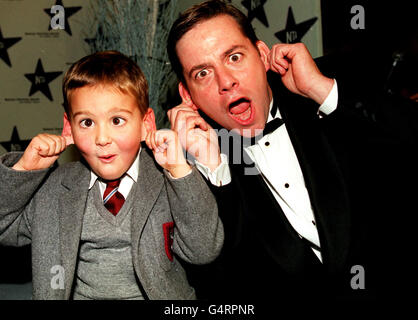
103,137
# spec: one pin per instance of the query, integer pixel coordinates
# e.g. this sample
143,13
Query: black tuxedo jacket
358,176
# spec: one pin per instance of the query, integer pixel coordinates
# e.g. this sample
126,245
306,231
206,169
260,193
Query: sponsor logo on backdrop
40,80
256,10
15,144
294,32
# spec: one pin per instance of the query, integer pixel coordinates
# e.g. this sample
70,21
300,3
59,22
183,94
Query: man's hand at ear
299,71
196,136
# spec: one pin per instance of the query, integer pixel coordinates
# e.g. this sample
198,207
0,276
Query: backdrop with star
34,57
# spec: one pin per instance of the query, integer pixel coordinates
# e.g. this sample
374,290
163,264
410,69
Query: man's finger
196,121
181,118
173,113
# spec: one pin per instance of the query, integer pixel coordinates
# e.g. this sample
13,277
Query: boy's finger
47,145
68,140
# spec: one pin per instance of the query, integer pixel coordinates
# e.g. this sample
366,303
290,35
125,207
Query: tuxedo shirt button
267,143
286,185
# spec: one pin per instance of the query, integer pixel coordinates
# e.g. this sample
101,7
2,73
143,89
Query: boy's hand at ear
42,152
168,152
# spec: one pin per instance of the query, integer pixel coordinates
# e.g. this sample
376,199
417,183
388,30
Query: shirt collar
278,115
132,171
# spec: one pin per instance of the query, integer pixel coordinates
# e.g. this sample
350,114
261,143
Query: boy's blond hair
107,68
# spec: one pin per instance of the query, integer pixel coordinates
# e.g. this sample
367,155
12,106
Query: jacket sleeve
198,231
16,191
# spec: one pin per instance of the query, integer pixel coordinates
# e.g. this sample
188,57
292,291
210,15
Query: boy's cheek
83,144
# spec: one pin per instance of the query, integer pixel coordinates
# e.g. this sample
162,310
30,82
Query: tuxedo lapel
323,178
73,203
270,227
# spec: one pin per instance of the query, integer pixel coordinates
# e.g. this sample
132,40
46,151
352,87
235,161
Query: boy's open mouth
241,111
107,158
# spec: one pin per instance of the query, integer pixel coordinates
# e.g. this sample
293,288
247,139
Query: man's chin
247,132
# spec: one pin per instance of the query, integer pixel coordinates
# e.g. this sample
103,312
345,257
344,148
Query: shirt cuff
220,176
330,103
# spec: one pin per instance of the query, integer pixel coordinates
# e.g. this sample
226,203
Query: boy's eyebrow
85,113
223,55
88,113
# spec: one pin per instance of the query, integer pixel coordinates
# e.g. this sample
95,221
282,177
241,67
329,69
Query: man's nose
103,136
226,80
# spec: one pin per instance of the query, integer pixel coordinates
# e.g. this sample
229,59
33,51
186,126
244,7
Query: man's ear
67,132
148,123
264,53
185,96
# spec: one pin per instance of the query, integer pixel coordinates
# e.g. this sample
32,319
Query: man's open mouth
241,111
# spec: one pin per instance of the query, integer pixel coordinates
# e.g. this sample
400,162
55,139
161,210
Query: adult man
309,223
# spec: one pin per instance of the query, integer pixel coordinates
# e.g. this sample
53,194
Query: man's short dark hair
200,13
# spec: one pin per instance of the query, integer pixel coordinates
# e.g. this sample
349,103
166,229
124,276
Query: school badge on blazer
168,229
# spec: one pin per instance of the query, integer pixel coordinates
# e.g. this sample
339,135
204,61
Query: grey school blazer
46,207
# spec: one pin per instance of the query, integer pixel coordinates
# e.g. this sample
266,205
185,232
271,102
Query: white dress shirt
280,169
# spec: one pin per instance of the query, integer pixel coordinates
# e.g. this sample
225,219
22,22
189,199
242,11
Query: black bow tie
272,125
269,128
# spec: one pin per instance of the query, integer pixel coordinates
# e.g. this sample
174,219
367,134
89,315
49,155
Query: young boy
112,225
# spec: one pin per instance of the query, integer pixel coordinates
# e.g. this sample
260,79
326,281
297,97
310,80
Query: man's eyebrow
198,67
229,51
223,55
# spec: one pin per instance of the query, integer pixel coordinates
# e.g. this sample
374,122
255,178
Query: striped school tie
112,199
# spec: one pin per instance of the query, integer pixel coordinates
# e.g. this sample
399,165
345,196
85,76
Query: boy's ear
185,96
67,133
264,53
148,123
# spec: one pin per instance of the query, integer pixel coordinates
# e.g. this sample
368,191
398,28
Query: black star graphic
15,144
40,80
6,43
69,11
256,10
294,32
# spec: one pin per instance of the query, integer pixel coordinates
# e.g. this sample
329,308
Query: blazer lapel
150,182
73,203
323,177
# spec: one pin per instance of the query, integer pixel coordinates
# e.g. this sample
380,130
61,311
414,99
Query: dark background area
376,67
364,58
